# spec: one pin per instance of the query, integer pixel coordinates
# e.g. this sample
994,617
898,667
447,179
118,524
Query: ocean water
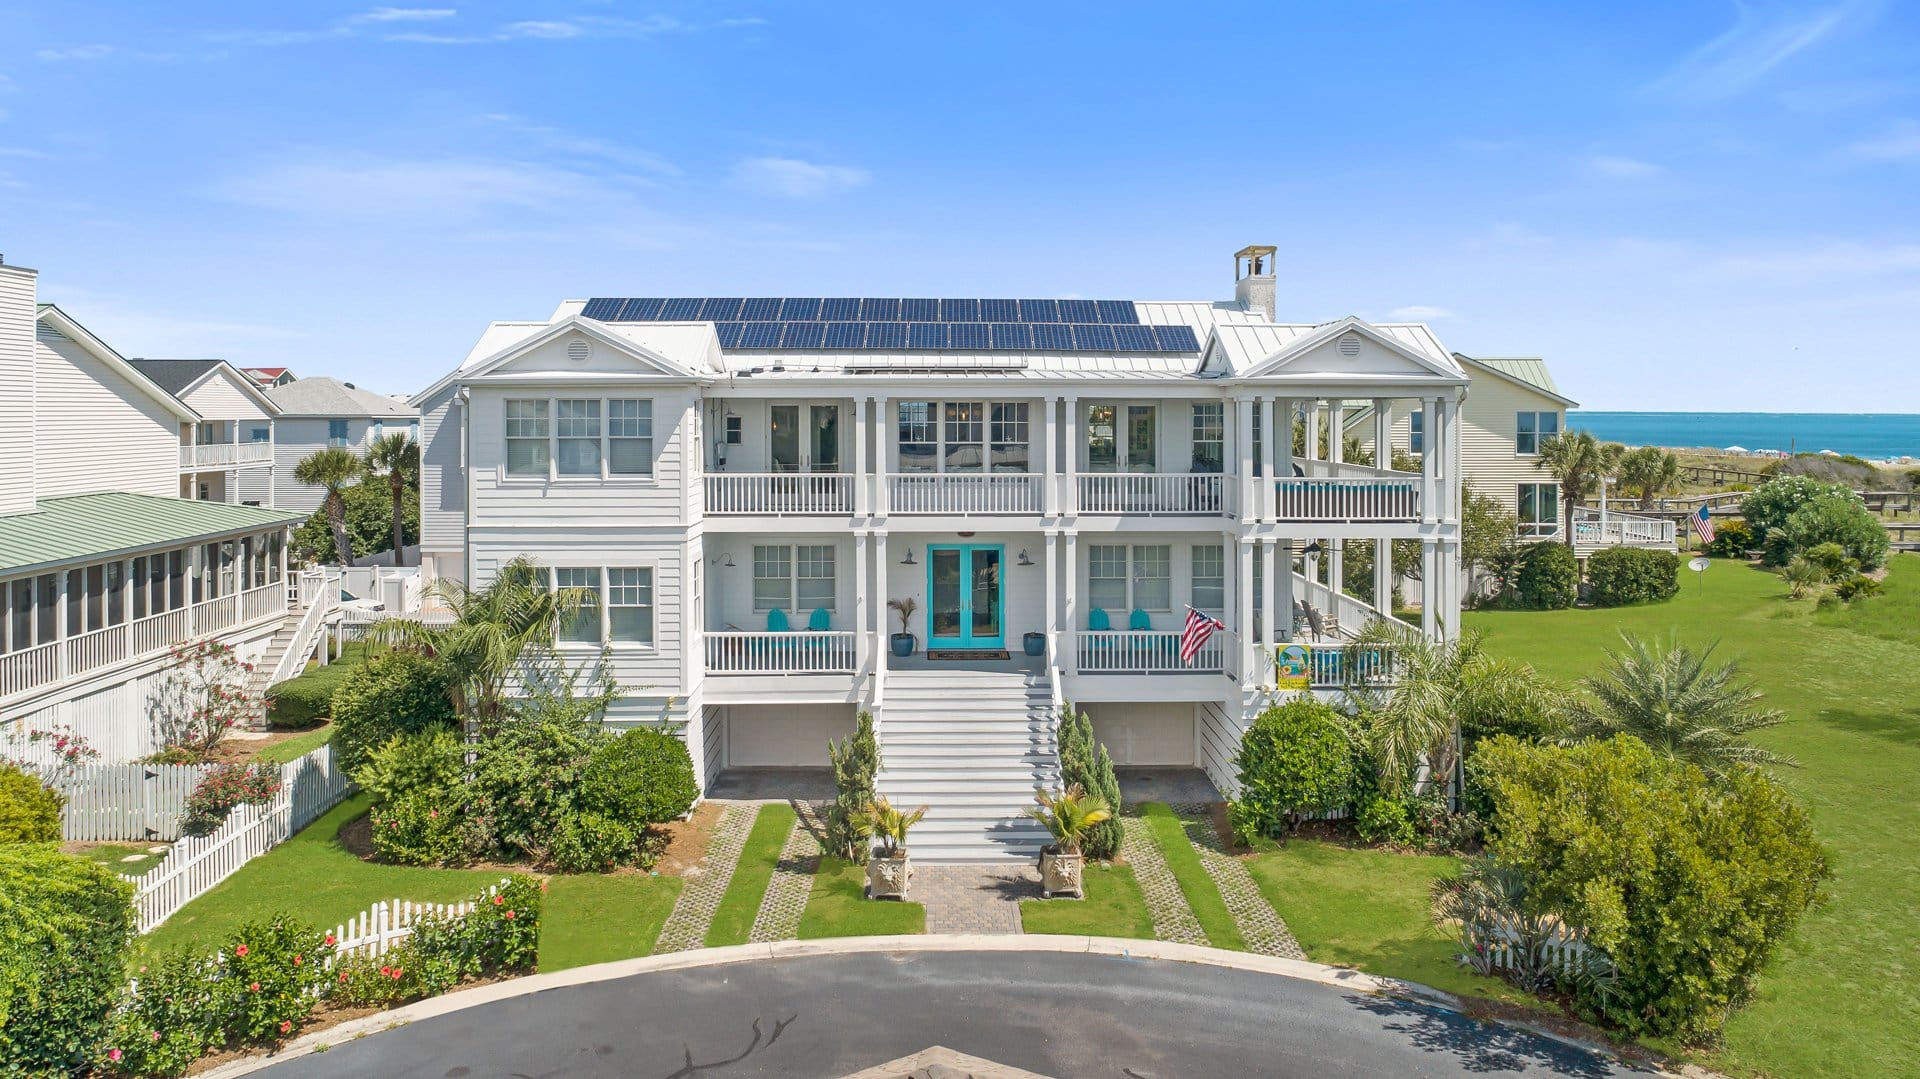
1871,435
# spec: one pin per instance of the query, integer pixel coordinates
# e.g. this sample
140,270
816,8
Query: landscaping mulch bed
241,750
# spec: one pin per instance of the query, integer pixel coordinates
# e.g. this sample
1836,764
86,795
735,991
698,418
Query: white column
1429,455
273,436
1248,508
1312,430
1049,472
1057,629
1383,574
1283,449
877,480
1336,430
1429,576
1270,437
883,615
1249,667
1337,569
1070,451
863,635
1454,480
1382,433
862,479
1271,633
1284,584
1070,604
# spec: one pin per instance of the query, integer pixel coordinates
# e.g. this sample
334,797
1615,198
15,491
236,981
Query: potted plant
888,873
1035,643
904,642
1068,816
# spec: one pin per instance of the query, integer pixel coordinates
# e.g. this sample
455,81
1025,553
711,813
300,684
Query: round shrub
592,843
1548,578
415,781
226,786
29,810
1295,760
1385,820
300,702
1770,504
641,776
1834,519
1620,576
1731,539
396,692
65,926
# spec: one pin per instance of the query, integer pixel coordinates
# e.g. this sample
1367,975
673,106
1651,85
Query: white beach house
315,413
746,483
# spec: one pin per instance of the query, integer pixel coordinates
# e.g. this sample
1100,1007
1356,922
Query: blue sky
1682,205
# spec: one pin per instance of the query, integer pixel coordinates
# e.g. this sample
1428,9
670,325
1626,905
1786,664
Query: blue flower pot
903,645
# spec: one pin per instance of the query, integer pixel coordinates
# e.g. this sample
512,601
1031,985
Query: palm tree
336,469
1069,816
397,458
494,629
1579,461
1668,696
1651,471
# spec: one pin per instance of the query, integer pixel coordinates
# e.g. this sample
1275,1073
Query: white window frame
1130,562
1217,579
1537,525
604,424
1209,428
1537,434
601,609
650,604
342,440
992,419
1416,431
794,555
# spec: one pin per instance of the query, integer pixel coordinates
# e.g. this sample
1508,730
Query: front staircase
973,747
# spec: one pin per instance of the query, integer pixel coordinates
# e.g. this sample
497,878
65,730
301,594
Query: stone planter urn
1061,874
888,876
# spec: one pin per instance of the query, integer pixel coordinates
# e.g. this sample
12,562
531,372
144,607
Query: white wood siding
443,489
1488,462
221,397
17,292
95,430
503,501
293,439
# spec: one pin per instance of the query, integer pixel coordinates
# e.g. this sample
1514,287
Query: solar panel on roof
799,310
803,334
1039,310
1177,338
926,335
720,309
840,310
919,310
999,311
760,334
1134,339
1092,338
681,309
886,335
603,309
1117,312
959,310
729,333
761,309
968,335
1013,335
1078,311
846,334
879,310
640,310
1052,336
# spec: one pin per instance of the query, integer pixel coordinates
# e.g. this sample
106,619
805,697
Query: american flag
1702,525
1195,633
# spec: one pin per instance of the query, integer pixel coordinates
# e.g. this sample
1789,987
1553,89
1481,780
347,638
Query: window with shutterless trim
1209,436
577,430
526,435
630,604
772,577
1209,577
1533,428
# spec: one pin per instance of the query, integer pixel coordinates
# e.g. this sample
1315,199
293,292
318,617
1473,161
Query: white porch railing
1360,499
321,604
963,492
1620,530
779,493
1145,652
1202,493
800,652
226,455
97,649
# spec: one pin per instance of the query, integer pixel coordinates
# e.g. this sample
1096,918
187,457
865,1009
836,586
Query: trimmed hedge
65,926
1548,578
1294,761
1622,576
392,694
29,811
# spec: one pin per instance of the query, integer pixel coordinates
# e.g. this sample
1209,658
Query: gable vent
579,350
1349,344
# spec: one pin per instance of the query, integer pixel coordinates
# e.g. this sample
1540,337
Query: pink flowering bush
501,935
228,785
204,696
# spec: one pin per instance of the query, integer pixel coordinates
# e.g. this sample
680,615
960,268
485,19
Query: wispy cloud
572,28
560,140
1625,168
78,52
1900,143
405,14
792,178
368,187
1419,312
1758,42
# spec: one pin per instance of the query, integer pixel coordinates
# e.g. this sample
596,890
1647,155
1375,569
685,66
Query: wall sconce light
1313,549
1024,560
726,561
908,561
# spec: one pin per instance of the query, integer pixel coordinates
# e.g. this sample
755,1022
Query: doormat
967,653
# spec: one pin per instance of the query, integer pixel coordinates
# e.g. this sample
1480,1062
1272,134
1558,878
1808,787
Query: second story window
259,434
1133,447
1209,436
1009,437
963,436
337,433
1533,428
630,437
578,426
799,579
1210,577
526,433
1416,432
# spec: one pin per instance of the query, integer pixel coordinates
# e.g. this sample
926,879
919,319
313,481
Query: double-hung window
1539,509
963,436
337,433
1009,437
919,437
527,437
1533,428
630,437
814,580
630,605
798,578
1416,431
1107,578
965,429
577,423
583,625
1110,587
1210,577
1209,436
772,577
1153,577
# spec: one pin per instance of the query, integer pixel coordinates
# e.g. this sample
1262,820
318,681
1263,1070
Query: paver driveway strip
792,881
1172,918
686,927
1260,925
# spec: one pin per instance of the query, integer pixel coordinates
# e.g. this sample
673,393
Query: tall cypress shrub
1085,762
856,761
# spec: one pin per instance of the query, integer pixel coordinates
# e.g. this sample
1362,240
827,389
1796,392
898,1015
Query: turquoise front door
967,607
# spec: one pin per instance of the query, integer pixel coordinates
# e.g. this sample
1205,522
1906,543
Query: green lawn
733,921
1113,907
1202,895
296,747
1844,997
1368,909
114,856
838,906
597,919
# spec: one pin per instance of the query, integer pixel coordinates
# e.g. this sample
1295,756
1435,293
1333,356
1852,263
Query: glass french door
967,607
815,450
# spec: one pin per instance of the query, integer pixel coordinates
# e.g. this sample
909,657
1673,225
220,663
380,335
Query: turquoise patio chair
819,649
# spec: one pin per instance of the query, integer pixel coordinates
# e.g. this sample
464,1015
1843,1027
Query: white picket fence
308,787
131,801
375,931
1566,951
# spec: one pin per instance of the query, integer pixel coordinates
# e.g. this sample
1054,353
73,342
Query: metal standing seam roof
80,527
1530,370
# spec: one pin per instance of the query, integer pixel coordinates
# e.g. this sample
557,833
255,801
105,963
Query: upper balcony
220,455
1346,493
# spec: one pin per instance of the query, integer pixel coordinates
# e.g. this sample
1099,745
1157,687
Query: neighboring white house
103,567
745,483
315,413
227,455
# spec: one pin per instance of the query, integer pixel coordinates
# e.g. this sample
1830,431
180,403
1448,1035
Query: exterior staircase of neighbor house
292,645
973,747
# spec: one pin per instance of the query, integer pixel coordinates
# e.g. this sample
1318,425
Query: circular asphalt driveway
1056,1014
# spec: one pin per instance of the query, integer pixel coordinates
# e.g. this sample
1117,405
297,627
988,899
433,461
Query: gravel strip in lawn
787,893
1172,918
686,927
1260,925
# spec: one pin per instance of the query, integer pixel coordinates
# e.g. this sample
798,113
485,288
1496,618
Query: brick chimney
1253,283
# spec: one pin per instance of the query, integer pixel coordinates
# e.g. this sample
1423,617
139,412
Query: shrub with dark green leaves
1832,561
416,782
1385,819
1085,763
1622,576
1547,577
1689,885
369,506
589,842
1731,539
856,761
396,692
29,809
1857,586
1769,505
500,935
1841,519
1295,760
65,926
641,776
223,788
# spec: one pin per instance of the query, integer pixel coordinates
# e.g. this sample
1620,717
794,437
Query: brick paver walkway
792,881
974,898
700,896
1260,925
1172,918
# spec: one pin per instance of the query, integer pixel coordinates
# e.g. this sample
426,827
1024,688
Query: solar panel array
870,323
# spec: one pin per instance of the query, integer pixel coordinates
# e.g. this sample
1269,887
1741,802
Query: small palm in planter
887,870
904,641
1068,817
